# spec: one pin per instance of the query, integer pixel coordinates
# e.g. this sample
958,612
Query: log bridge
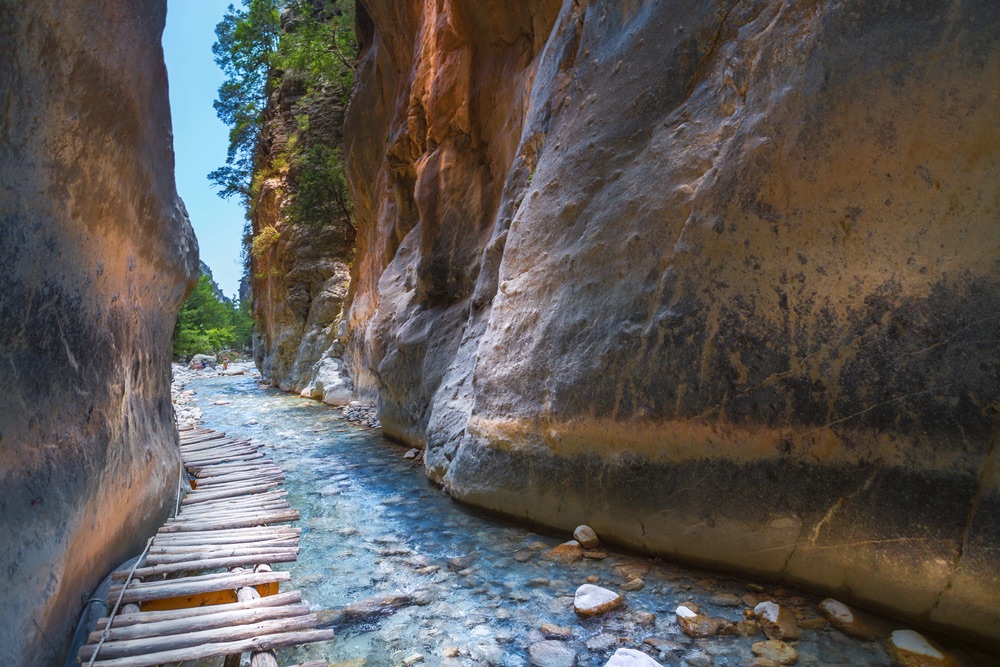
204,586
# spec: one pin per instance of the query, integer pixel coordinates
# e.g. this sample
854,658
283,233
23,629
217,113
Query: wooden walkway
204,586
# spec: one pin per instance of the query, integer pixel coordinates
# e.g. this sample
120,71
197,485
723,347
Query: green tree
206,325
247,41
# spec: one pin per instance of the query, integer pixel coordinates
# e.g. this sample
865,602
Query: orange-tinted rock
695,624
593,600
776,621
659,265
567,552
96,255
845,619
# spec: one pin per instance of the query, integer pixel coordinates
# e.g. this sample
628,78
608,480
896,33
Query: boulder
912,649
695,624
593,600
586,536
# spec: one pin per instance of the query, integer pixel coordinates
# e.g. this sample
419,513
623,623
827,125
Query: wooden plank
262,520
205,622
208,583
212,444
255,502
235,534
247,455
215,563
202,553
217,469
132,647
139,618
264,643
232,479
277,505
203,438
203,539
211,551
212,472
242,482
203,497
268,495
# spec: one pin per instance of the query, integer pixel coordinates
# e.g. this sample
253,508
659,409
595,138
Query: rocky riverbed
409,577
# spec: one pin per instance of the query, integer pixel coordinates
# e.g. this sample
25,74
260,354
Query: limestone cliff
96,254
718,278
299,268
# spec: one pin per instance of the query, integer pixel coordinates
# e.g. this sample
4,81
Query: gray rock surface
96,254
719,277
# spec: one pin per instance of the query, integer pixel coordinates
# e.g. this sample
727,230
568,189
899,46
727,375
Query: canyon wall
299,269
718,278
96,254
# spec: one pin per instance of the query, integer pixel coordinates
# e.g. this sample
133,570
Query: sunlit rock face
718,279
300,273
96,254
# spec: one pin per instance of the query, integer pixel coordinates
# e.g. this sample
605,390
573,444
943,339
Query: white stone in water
837,610
914,642
767,610
591,600
627,657
685,612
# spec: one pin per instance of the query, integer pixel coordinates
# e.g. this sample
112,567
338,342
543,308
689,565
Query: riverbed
454,587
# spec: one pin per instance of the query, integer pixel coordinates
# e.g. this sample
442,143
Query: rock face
96,255
719,279
300,272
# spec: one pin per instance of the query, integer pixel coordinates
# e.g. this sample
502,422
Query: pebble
601,642
776,621
627,657
633,585
413,659
595,554
593,600
552,631
412,454
551,654
776,650
586,536
695,624
645,618
843,618
522,556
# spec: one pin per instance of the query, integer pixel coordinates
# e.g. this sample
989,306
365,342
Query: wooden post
257,658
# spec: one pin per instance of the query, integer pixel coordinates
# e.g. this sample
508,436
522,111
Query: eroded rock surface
718,278
96,254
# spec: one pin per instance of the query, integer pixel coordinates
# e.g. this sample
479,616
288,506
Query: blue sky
200,139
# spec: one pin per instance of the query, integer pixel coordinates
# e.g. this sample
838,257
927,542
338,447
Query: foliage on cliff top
206,325
259,43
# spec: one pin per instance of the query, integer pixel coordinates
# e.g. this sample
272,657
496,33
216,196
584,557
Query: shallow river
466,589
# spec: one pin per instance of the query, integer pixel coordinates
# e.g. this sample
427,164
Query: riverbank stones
586,536
553,631
776,621
593,600
627,657
843,618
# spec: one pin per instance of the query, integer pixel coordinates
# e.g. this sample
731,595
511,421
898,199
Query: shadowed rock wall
96,254
718,278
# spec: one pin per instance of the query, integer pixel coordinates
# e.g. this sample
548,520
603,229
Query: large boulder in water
96,255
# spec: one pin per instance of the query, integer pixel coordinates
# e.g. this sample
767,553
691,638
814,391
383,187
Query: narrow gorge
719,279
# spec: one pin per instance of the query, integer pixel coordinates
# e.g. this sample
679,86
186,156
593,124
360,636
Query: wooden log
262,520
207,539
211,472
233,502
216,469
215,563
235,534
280,505
264,643
224,457
194,623
218,459
195,498
203,438
203,552
131,647
209,583
314,663
237,453
140,618
212,445
196,510
232,479
273,480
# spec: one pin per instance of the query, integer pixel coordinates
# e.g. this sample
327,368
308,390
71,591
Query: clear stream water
468,589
